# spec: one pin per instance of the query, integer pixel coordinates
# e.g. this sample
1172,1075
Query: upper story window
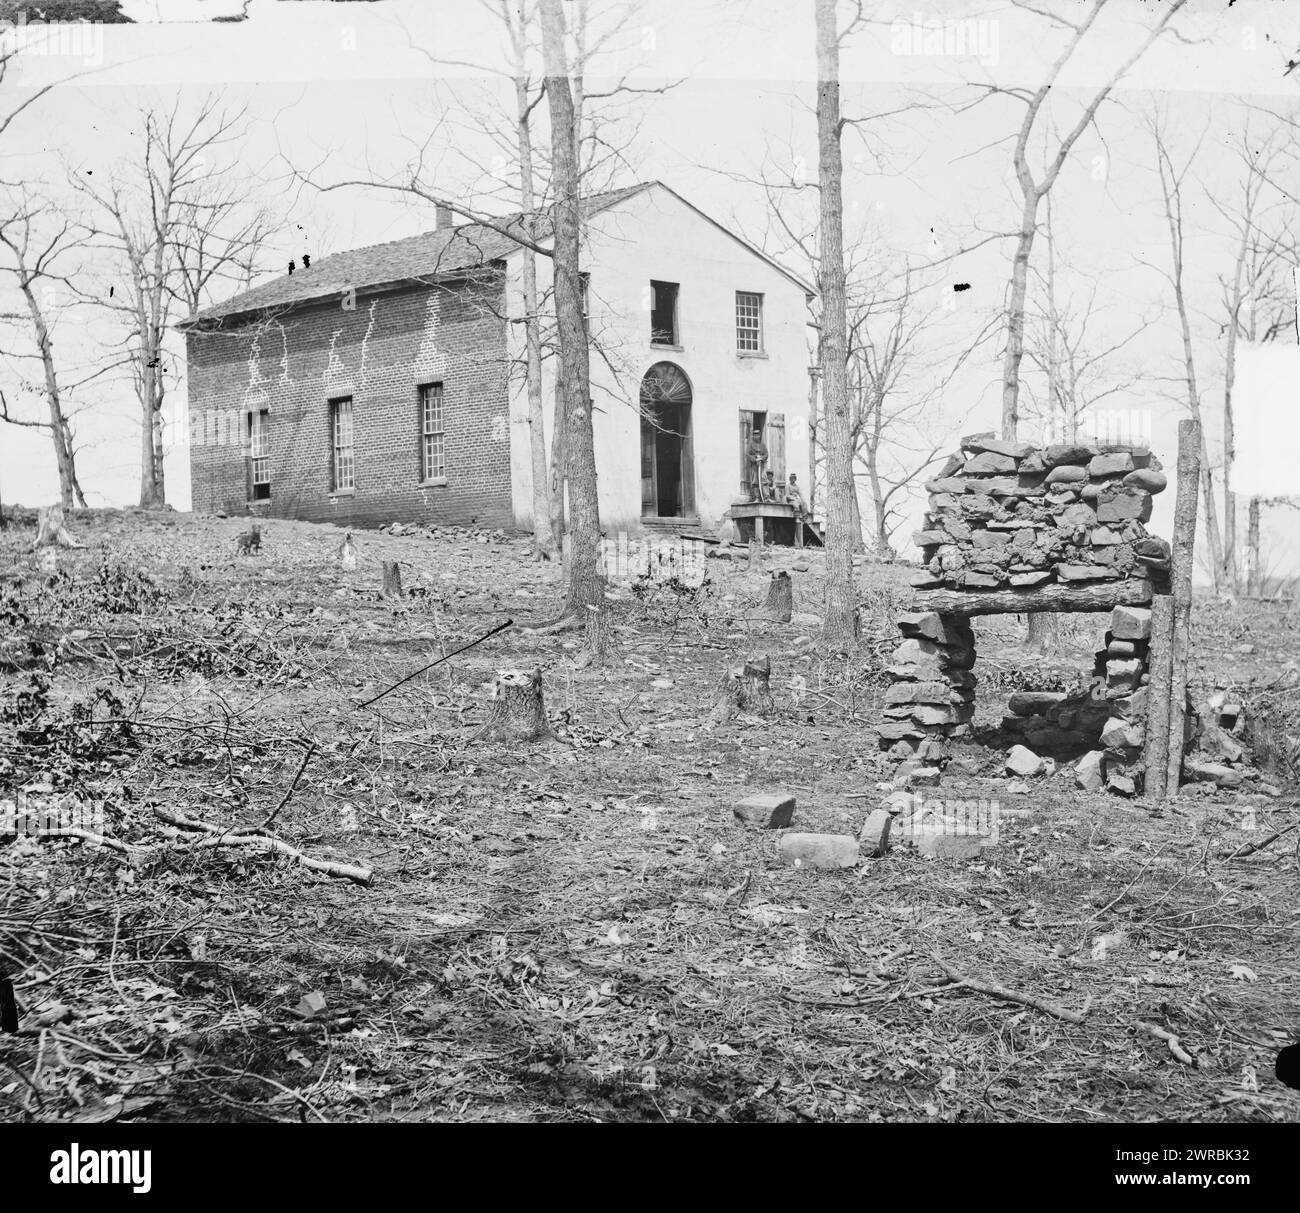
663,313
433,433
342,461
749,322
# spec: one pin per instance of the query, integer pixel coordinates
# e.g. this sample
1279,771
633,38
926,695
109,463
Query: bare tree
1172,181
34,257
1256,299
1033,191
1042,631
1080,372
840,621
179,231
545,538
586,586
898,376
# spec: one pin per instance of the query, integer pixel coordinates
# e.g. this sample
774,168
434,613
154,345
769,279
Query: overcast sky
349,90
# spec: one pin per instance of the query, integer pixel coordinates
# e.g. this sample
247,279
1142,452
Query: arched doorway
667,465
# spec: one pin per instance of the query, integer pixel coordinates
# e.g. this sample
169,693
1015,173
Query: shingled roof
441,254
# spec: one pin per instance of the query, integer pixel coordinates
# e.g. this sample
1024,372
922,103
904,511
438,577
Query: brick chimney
443,219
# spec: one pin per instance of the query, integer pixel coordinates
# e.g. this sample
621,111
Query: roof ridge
263,295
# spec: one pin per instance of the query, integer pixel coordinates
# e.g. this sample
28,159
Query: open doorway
667,466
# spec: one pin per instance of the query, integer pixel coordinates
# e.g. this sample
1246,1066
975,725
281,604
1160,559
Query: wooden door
649,487
776,447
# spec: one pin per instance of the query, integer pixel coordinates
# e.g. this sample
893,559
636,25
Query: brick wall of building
379,352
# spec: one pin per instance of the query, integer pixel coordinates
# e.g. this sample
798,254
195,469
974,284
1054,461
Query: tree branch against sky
174,229
1034,189
38,240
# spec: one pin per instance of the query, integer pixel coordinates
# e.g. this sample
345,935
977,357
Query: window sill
751,354
667,345
342,493
436,482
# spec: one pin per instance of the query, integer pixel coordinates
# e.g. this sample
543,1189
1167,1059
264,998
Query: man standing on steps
757,456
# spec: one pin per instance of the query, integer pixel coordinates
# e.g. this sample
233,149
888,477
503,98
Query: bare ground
577,929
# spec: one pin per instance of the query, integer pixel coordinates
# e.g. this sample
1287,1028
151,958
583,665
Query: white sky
347,87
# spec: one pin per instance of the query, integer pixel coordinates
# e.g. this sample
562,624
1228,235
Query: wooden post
1184,540
1159,668
1254,574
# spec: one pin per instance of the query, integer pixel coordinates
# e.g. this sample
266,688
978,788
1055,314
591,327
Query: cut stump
392,579
518,712
744,688
50,529
780,598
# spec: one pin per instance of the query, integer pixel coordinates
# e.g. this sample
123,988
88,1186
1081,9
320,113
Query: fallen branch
996,991
1242,852
264,842
284,800
212,838
1175,1045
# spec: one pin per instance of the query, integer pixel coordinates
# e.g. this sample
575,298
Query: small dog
347,553
251,541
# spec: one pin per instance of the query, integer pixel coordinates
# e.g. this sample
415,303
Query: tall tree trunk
1015,351
60,435
559,456
1229,456
586,586
148,493
1207,477
1254,574
544,541
1171,193
841,617
1229,421
814,374
871,454
60,431
1043,633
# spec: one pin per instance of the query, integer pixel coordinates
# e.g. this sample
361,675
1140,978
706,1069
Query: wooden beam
1180,577
1048,599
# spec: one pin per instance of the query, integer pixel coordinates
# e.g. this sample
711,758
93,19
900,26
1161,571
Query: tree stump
50,529
744,688
392,579
780,598
518,712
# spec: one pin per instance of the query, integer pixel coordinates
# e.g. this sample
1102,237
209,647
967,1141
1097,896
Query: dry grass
576,929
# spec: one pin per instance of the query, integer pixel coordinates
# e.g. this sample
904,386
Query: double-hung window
342,460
